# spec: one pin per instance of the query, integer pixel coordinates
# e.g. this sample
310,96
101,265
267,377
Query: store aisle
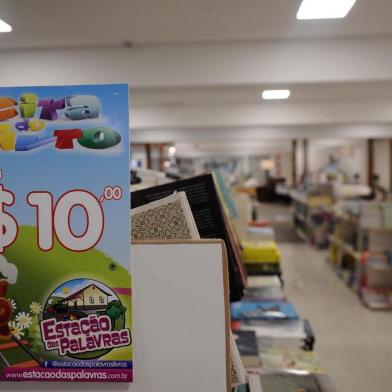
354,343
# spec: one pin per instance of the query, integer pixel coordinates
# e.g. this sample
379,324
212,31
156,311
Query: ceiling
311,92
259,148
76,23
197,67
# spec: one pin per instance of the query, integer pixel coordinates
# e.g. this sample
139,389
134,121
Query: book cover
263,311
65,276
260,252
236,250
264,294
225,194
207,212
255,282
286,382
246,342
291,334
169,218
238,372
292,329
290,359
248,348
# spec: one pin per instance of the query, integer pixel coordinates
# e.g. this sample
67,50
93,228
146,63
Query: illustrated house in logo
90,297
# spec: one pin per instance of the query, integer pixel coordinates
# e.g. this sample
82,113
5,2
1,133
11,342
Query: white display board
180,319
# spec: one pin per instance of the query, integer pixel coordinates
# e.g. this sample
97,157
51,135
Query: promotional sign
65,280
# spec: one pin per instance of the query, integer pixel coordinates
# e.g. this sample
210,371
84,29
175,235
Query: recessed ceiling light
324,9
4,27
276,94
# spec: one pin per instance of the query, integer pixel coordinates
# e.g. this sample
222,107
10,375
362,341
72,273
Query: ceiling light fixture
5,27
172,151
324,9
276,94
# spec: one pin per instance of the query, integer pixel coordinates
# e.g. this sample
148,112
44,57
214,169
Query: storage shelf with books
275,342
312,216
361,253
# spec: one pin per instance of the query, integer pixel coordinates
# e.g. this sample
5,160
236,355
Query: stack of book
275,344
260,230
261,257
275,321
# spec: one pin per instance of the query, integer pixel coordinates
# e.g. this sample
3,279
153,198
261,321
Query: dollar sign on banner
8,225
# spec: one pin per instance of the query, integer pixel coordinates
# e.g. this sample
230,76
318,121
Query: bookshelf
284,345
311,217
360,255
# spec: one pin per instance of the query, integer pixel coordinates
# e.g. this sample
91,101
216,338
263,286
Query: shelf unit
311,217
349,254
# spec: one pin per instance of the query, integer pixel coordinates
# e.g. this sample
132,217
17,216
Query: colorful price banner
65,280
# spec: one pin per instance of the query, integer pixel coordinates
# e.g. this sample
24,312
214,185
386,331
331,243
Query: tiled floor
354,343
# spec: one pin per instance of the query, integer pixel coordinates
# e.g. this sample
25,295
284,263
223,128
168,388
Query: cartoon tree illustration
115,310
